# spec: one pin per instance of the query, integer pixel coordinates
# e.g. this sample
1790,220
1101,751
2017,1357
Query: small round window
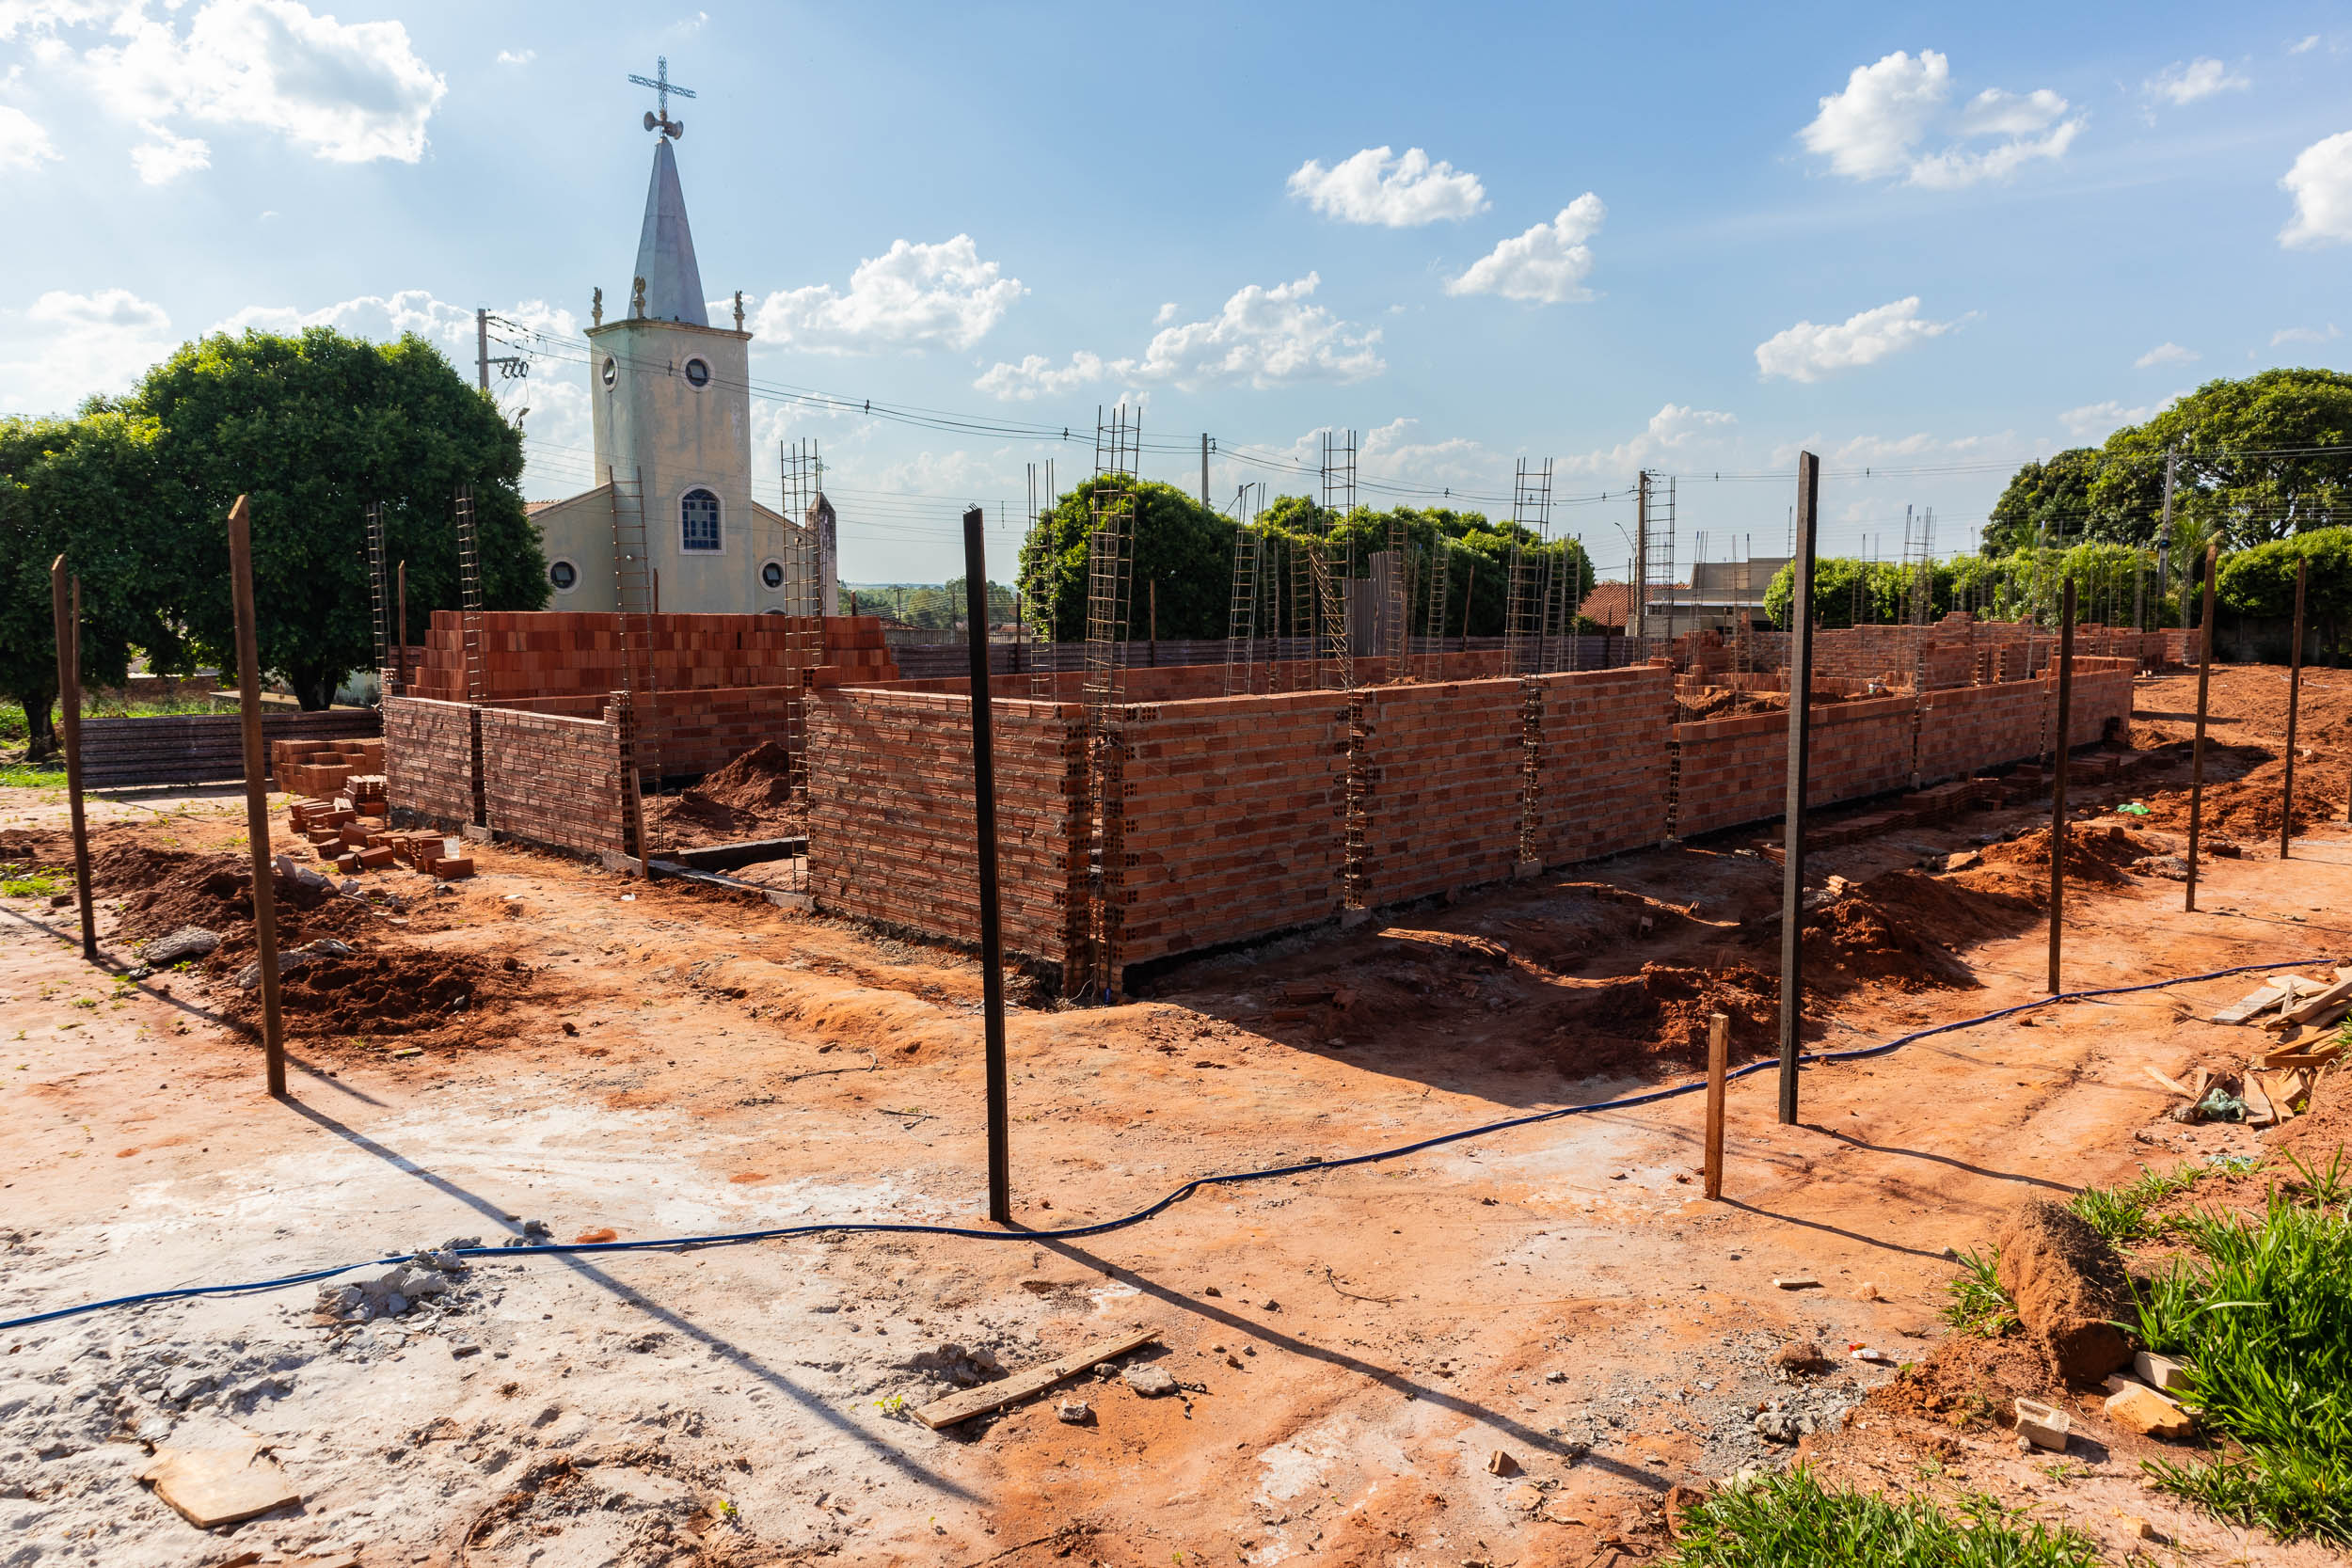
611,372
563,575
697,373
772,573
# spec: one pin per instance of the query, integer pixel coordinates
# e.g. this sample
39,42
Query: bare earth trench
1354,1345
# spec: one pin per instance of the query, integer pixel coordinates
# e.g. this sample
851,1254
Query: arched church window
697,373
563,575
611,372
699,520
772,573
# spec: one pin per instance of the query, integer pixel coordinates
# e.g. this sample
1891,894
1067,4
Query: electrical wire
1153,1210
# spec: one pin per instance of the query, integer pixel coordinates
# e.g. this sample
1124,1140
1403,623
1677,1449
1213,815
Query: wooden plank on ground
2258,1111
966,1404
2253,1002
2174,1085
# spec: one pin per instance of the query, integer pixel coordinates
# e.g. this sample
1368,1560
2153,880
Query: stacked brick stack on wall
320,768
891,836
560,653
1602,784
1444,786
1234,808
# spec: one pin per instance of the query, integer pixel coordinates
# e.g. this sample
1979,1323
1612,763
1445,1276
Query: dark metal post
2058,793
2197,753
1800,748
257,793
2295,697
400,636
984,828
66,607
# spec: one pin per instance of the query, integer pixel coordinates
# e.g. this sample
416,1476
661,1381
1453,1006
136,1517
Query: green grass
1978,1304
2264,1319
1793,1521
22,775
26,881
2121,1213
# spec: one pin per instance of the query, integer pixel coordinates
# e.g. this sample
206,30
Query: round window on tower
563,575
611,373
697,373
772,573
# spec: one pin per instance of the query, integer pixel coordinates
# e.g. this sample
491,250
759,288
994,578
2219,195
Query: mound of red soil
382,990
1858,938
163,890
1662,1012
759,781
2097,855
2253,806
748,797
1968,1381
1951,907
2070,1288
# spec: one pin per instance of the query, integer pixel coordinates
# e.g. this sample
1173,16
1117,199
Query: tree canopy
135,493
2258,458
1185,551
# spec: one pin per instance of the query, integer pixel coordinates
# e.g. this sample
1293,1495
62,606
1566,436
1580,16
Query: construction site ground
551,1042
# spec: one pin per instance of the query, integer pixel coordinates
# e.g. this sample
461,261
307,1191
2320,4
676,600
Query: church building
673,527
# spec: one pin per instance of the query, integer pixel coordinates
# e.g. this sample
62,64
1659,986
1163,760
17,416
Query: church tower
671,402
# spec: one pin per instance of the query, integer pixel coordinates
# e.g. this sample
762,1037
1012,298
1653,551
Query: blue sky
1692,238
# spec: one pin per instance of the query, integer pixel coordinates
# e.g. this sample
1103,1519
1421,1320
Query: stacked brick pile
320,768
561,653
352,841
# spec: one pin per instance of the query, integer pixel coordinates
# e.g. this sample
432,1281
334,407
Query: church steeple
665,247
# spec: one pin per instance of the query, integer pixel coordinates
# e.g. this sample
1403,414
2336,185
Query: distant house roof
1610,604
530,507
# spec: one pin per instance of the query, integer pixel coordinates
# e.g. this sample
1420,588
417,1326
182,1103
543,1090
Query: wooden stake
2058,790
66,608
257,793
1718,1068
2197,753
1799,746
2295,697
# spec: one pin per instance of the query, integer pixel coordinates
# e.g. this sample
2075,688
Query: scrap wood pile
2304,1019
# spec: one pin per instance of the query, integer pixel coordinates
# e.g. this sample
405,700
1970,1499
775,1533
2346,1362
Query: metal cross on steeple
663,87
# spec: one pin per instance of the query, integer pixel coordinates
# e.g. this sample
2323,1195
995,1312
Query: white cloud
165,157
79,344
1547,264
912,297
2096,420
1037,376
1875,129
1810,351
348,92
1390,452
2321,184
2167,353
2305,335
2200,78
2304,45
1400,193
23,145
1676,427
1267,337
517,57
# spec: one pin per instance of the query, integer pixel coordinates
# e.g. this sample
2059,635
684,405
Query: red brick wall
552,780
1736,771
1233,809
891,835
1971,728
2103,693
428,757
1444,796
557,652
1604,785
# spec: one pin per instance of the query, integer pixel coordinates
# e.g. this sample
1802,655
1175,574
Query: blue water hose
1149,1210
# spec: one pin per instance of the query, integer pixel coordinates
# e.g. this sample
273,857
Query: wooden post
2058,790
1800,747
2295,697
257,793
401,632
984,827
65,609
1718,1069
2197,752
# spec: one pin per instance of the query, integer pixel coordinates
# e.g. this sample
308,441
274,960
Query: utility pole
1641,557
1800,747
482,347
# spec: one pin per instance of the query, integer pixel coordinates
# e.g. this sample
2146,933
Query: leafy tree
79,488
2261,581
2045,500
2260,458
313,428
